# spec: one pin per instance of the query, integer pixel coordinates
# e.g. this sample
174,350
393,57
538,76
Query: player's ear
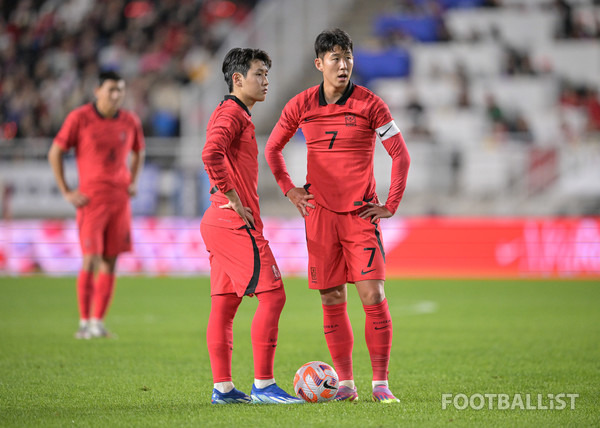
237,79
319,63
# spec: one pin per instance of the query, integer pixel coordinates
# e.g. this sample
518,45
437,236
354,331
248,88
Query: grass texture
450,337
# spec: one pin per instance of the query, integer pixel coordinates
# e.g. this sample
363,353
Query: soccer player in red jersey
103,136
340,121
241,260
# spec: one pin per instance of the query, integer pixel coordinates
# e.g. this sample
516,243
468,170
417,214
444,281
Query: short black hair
328,39
108,75
239,60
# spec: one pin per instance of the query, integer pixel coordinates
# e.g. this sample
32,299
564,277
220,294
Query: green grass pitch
450,337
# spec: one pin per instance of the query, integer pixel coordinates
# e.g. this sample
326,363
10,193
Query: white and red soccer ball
316,382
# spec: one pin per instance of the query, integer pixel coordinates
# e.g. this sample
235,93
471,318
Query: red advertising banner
415,247
484,247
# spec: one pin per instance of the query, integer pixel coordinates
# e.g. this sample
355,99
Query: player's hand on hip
301,199
132,189
245,213
375,211
76,198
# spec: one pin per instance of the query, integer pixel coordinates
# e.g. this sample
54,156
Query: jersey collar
342,99
103,117
238,101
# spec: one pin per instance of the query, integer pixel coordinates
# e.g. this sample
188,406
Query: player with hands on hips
241,261
340,121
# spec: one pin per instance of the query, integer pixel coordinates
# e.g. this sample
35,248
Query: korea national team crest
350,119
276,272
123,136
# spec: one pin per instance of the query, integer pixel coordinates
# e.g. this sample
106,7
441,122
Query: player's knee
108,264
275,298
333,296
89,262
374,297
371,293
280,297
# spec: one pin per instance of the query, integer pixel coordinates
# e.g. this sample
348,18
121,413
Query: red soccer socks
339,338
85,290
378,334
103,292
264,331
219,335
265,328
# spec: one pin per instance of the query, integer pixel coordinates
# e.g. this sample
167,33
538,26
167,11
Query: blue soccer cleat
273,394
232,397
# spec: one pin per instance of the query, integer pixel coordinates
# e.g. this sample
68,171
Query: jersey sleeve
396,147
380,113
391,137
67,136
220,133
284,130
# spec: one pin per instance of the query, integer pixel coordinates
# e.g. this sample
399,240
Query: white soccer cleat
97,329
83,333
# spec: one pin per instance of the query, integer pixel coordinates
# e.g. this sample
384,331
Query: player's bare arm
235,204
74,197
375,211
301,199
137,163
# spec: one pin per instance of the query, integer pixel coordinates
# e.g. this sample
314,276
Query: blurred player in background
341,210
241,260
103,136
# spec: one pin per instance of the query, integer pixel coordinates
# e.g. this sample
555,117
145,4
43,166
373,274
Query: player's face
336,67
110,96
255,85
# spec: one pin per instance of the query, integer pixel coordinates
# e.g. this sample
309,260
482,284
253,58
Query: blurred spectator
592,104
517,62
506,126
565,22
493,112
462,81
579,112
520,130
576,23
417,113
51,51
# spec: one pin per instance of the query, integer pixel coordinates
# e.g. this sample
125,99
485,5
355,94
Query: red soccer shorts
342,247
241,261
105,228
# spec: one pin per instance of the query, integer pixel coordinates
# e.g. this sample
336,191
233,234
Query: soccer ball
316,382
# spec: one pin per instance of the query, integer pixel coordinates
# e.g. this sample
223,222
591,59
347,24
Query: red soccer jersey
340,140
101,147
230,157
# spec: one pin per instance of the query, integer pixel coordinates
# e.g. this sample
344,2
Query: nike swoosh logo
381,134
330,331
326,385
381,328
362,272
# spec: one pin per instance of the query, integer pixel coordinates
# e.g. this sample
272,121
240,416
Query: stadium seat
515,27
396,92
422,28
369,65
430,60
